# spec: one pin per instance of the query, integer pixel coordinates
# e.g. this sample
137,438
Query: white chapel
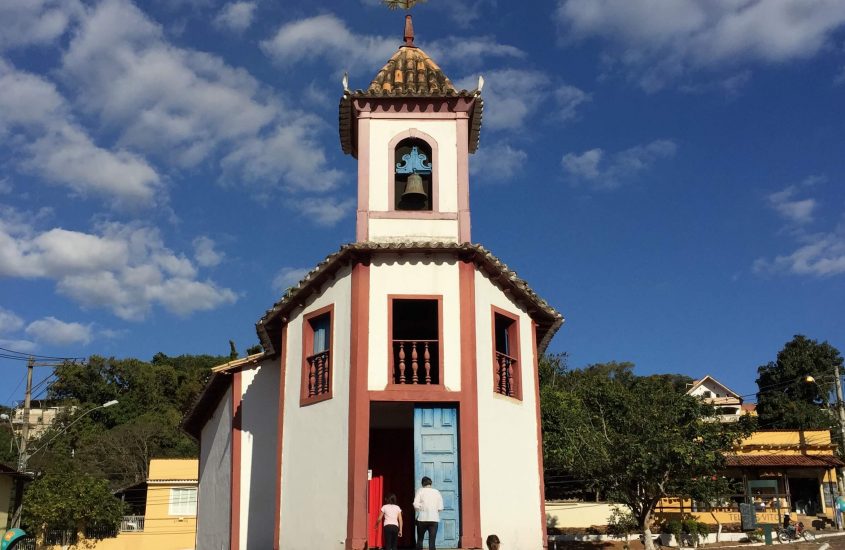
409,352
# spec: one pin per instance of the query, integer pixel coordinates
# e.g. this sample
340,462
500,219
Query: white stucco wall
414,274
444,132
404,229
507,433
215,476
315,450
259,416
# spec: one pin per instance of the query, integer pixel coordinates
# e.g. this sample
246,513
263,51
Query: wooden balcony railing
505,369
318,373
415,361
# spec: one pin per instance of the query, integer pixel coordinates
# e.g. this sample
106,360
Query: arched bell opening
412,175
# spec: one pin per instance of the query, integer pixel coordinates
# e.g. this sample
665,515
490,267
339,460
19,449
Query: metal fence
132,524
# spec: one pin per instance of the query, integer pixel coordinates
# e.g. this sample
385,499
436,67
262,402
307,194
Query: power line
25,356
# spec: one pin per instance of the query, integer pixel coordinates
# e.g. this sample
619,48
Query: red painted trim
280,432
413,133
359,410
539,436
237,416
428,394
362,230
413,107
463,180
513,338
307,347
468,413
413,214
441,366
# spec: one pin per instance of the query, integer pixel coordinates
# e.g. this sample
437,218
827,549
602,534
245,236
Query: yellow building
779,471
169,501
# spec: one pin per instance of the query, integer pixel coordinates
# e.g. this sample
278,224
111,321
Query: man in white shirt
428,502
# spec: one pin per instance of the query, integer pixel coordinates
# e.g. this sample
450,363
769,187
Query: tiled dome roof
410,72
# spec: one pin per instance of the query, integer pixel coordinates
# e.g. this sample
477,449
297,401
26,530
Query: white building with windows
410,352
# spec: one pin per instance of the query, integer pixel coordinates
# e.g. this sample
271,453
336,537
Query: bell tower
412,133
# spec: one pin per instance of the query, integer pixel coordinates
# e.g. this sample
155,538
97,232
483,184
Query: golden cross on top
404,4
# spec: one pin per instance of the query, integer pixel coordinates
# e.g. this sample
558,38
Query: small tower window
412,179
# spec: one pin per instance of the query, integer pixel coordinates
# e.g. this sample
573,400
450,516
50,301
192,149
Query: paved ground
834,539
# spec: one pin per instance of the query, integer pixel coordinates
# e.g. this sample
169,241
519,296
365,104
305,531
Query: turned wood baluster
503,372
401,362
510,377
326,372
322,376
498,385
415,363
312,378
427,362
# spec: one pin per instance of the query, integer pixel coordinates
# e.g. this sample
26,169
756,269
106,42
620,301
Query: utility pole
22,457
841,412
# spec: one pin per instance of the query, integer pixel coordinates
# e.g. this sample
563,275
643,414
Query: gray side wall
215,478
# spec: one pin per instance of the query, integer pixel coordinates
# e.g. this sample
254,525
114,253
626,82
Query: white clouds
53,331
799,211
659,40
470,50
569,98
325,36
496,162
9,321
601,171
125,268
205,252
186,107
55,147
262,159
513,96
35,22
326,211
236,16
818,255
18,344
287,277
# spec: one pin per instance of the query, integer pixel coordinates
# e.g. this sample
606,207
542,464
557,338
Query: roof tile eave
553,319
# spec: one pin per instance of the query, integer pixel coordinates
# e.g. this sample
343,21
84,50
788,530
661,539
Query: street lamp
24,458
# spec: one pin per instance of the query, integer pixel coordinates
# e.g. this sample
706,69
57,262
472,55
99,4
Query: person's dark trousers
422,528
391,537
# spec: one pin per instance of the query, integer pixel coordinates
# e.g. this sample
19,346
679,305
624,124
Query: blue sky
667,173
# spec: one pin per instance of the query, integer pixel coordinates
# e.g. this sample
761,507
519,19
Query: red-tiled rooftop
807,461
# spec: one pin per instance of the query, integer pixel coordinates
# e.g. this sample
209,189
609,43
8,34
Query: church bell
414,189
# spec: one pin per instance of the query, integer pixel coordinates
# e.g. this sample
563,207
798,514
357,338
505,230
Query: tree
785,399
117,443
70,500
636,439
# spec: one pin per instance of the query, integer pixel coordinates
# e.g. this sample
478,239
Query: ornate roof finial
409,32
404,4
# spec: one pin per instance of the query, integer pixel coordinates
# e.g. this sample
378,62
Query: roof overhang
215,388
547,318
352,104
784,461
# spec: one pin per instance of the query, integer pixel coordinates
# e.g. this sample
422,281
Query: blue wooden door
436,456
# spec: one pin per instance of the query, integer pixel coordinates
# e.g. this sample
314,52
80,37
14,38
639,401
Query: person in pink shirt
391,515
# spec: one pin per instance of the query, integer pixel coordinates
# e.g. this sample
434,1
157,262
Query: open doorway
391,459
805,493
